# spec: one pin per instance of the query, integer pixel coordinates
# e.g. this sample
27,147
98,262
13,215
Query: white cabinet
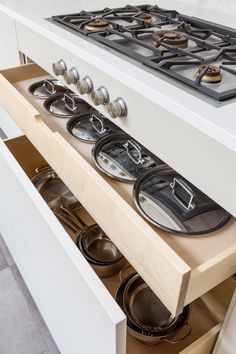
75,305
78,309
9,57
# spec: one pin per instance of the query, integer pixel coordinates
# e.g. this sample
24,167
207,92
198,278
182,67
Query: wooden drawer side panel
211,274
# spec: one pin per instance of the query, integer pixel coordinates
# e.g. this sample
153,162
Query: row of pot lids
161,195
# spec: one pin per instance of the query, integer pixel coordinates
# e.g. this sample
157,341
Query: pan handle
64,220
123,270
75,218
189,330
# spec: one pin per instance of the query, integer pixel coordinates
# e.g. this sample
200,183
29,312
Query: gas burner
145,16
171,38
188,49
97,25
209,74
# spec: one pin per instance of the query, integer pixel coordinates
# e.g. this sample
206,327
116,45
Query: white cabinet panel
80,313
9,55
8,29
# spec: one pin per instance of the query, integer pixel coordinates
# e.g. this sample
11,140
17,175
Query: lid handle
70,102
189,204
101,129
134,152
49,86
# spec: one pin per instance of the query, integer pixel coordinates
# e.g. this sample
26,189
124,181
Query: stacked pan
148,320
94,244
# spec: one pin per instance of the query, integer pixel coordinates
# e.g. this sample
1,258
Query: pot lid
46,88
121,157
65,105
171,202
90,126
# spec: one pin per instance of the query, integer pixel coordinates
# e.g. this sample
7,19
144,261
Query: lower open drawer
79,311
178,269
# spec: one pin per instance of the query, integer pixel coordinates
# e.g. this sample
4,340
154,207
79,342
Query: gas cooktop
196,52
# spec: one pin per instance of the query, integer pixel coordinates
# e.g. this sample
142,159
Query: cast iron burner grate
132,30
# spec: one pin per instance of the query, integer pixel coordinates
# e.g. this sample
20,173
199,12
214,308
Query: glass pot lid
90,126
46,88
121,157
65,105
169,201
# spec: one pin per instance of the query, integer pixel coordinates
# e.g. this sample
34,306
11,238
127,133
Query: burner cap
145,16
174,38
212,74
97,25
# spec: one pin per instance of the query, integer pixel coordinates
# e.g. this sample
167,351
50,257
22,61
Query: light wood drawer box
178,269
79,311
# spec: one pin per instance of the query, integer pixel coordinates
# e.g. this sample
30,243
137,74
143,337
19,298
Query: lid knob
118,108
100,96
59,68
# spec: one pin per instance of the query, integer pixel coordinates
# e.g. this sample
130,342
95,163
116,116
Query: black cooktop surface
196,52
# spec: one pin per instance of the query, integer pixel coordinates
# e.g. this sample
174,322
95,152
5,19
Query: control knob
59,68
71,76
117,108
85,85
100,96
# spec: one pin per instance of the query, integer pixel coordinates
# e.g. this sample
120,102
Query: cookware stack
148,320
94,244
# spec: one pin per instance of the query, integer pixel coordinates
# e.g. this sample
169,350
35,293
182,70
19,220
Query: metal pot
144,308
51,187
103,256
103,269
155,337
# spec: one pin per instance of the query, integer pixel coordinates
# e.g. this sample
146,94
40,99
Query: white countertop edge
205,120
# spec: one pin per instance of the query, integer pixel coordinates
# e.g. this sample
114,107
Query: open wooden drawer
178,269
80,313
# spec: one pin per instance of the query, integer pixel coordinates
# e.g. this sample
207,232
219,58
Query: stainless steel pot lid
51,187
169,201
46,88
90,126
65,105
121,157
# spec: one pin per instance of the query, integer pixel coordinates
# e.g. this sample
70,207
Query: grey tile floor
22,328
